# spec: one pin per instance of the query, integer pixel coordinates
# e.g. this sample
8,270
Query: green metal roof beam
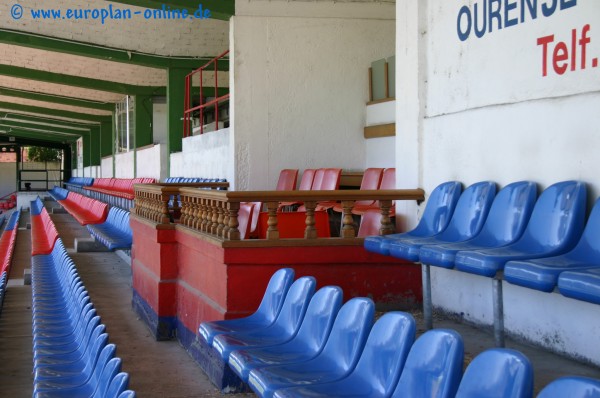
47,43
35,142
41,128
48,120
37,136
54,112
78,81
57,99
219,9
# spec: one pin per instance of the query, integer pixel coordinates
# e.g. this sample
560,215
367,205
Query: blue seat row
524,239
175,180
115,233
58,193
72,356
81,181
335,350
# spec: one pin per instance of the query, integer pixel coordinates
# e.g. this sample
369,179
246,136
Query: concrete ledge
124,255
27,276
85,245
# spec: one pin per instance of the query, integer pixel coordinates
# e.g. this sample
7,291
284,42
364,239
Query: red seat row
43,233
85,210
119,187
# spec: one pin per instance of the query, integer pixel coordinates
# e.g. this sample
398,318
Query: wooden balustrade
215,212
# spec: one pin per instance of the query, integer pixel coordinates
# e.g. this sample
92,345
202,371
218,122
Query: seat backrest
287,180
386,350
571,386
295,304
245,215
127,394
108,353
370,223
320,315
331,180
36,207
439,208
470,212
272,300
349,333
497,372
371,178
118,384
509,214
589,244
557,218
307,180
318,179
388,181
112,368
433,368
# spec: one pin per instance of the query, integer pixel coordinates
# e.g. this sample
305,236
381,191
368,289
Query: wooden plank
380,130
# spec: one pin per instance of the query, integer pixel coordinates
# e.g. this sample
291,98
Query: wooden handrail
215,212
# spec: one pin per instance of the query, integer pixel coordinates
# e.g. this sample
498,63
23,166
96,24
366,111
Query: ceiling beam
38,136
55,112
10,124
78,81
57,99
219,9
47,43
26,141
47,120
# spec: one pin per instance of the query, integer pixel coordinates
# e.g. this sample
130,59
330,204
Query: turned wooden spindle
233,233
272,230
310,232
386,223
348,230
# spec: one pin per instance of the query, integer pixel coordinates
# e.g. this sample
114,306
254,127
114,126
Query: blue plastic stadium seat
36,206
58,193
504,224
115,232
282,330
466,222
265,315
433,368
542,274
497,373
306,344
581,285
572,387
437,214
554,228
13,221
379,367
337,359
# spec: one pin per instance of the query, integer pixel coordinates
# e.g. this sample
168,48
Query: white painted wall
152,162
208,155
481,108
8,178
124,165
300,84
159,121
106,167
380,152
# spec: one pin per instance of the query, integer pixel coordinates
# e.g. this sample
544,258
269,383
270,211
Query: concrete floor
164,369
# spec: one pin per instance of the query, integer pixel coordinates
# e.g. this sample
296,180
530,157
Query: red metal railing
189,109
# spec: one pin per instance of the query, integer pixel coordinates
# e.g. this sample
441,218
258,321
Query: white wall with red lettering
520,102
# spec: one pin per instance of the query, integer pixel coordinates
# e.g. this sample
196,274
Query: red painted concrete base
180,274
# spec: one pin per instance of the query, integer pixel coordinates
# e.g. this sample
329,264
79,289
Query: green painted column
143,120
175,103
106,139
95,146
87,145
